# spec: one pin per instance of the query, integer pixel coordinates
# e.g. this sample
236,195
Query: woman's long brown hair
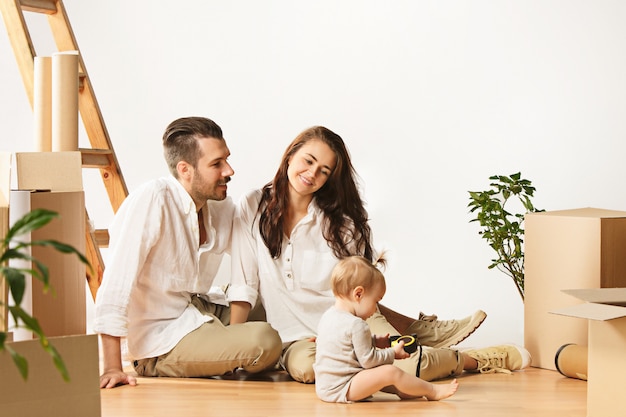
345,227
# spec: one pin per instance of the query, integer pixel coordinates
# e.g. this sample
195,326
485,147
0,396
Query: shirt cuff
241,293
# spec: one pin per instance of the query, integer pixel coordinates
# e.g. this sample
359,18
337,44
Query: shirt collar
186,202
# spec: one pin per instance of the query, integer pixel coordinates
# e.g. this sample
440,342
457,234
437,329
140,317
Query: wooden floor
532,392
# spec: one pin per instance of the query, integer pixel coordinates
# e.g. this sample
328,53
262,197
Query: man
167,242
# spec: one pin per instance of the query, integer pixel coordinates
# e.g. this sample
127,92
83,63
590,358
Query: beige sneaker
444,333
502,358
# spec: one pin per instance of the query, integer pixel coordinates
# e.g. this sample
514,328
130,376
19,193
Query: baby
350,363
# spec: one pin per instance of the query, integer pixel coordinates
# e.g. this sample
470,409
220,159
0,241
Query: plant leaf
17,283
33,220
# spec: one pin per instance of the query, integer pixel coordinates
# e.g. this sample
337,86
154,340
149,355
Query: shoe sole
464,333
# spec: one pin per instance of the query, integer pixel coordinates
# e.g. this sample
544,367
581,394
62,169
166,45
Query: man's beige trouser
215,348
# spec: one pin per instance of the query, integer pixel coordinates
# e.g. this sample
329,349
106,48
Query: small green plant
502,229
12,247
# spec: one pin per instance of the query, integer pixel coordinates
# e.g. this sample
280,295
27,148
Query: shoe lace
491,363
433,322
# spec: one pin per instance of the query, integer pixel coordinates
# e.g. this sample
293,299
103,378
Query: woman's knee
298,361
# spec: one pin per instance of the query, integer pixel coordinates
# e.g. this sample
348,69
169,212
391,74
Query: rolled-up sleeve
244,285
132,237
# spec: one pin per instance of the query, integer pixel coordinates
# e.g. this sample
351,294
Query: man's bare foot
441,391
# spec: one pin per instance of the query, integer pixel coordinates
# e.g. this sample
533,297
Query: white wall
432,98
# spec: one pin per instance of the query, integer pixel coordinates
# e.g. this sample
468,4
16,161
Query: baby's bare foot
441,391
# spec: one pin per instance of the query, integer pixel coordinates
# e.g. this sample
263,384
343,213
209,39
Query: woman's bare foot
441,391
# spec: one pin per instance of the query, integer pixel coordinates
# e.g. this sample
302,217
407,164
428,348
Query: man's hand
113,374
114,378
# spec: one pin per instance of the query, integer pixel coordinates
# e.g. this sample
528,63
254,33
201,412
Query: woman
288,236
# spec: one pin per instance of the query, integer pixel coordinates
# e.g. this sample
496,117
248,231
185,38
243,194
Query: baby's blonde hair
354,271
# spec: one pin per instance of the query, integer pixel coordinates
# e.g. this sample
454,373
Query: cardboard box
55,171
53,180
605,311
62,311
45,392
580,248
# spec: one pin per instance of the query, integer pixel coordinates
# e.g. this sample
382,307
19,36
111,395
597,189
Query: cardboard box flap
592,311
55,171
611,296
590,212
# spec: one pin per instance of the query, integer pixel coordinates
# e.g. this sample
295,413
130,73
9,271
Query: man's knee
268,343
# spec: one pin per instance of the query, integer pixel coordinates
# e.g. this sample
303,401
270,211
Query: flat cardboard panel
56,171
607,361
63,311
612,296
580,248
592,311
45,393
613,261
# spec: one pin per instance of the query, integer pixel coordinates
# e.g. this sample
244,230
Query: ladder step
102,237
39,6
97,158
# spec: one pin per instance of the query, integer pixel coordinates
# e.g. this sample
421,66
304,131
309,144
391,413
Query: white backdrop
432,97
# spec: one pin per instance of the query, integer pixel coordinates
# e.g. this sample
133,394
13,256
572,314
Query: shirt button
288,275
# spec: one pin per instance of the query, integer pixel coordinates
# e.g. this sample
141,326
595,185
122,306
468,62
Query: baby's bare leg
370,381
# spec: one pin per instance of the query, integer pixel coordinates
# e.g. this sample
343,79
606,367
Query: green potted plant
501,226
12,247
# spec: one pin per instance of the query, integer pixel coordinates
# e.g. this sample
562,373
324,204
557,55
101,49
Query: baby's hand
399,350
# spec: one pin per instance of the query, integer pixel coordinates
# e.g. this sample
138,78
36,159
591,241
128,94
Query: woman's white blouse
295,288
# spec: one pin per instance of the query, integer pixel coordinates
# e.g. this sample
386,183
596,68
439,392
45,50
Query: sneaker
503,359
444,333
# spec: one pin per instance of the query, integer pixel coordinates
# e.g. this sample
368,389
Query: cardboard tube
65,101
571,361
42,104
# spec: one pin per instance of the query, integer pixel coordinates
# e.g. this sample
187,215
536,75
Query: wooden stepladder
101,154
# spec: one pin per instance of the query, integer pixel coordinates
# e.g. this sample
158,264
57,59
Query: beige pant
298,357
216,348
436,363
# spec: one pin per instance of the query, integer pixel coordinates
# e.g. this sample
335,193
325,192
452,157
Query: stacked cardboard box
45,393
580,248
51,180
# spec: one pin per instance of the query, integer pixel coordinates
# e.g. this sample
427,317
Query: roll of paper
571,361
65,101
42,104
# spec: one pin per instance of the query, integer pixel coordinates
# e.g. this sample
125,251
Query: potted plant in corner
11,248
503,227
